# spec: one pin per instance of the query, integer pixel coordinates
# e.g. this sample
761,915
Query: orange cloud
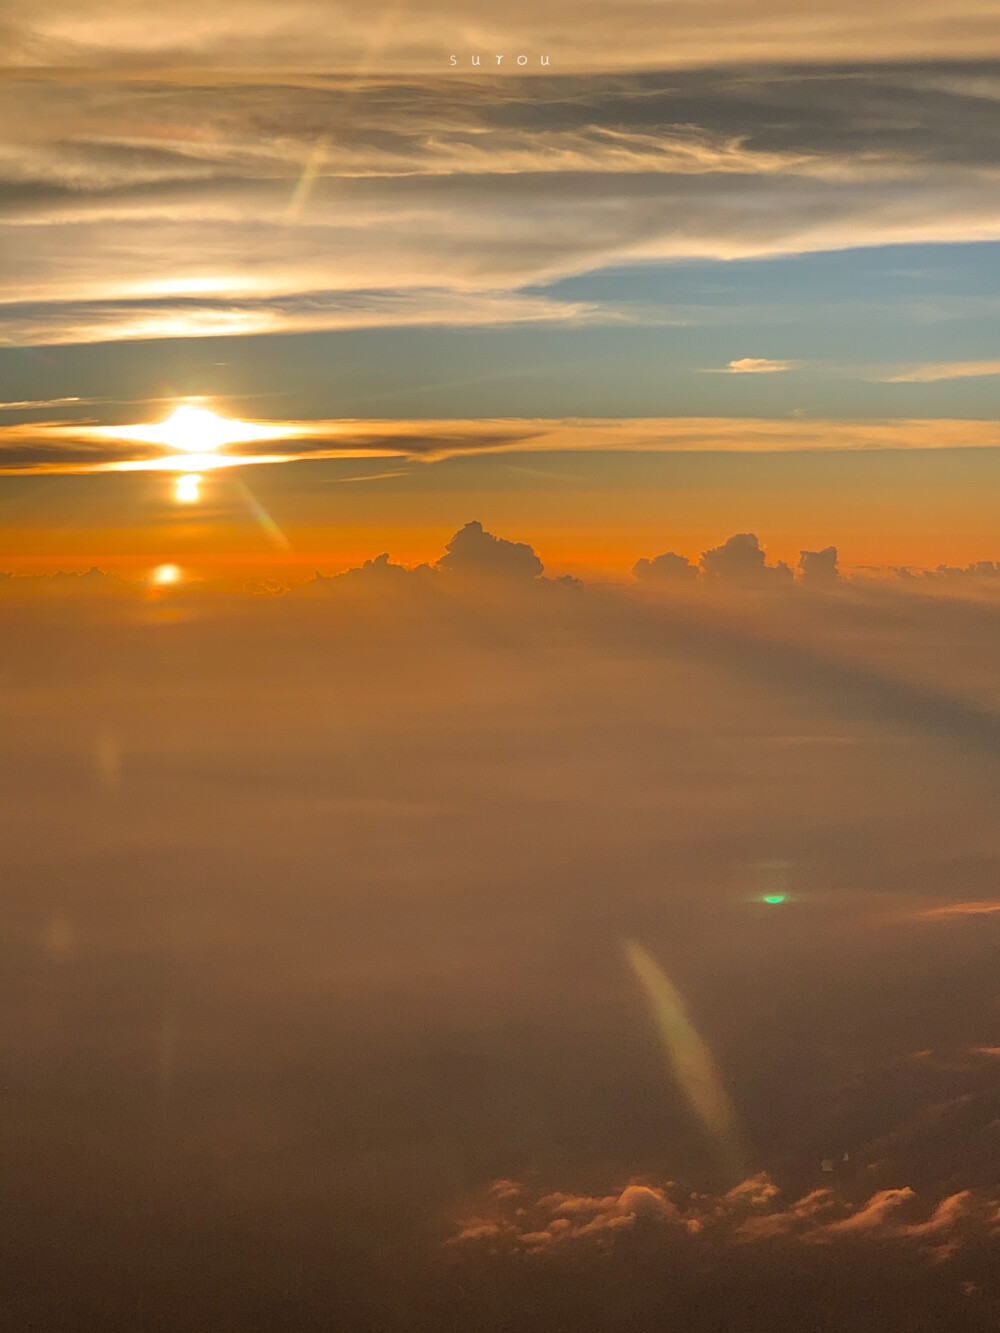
62,447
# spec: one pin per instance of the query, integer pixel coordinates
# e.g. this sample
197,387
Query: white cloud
758,365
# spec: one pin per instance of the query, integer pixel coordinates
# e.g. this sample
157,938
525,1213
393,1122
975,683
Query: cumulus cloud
475,553
668,567
741,560
752,1213
819,568
977,571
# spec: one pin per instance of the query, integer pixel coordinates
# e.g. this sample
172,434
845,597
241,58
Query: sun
197,430
195,439
194,431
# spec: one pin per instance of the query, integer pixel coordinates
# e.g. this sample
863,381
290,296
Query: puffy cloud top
474,552
819,568
668,567
741,560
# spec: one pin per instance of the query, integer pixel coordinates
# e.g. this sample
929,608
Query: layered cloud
68,447
344,872
945,370
319,36
133,209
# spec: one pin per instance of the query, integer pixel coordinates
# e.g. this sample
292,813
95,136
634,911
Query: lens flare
690,1059
187,489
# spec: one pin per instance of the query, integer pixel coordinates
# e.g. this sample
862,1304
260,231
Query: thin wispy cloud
943,370
953,911
144,210
64,447
296,39
33,404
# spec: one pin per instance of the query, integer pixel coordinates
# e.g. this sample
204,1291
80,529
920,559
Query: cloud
819,568
132,208
758,365
31,405
474,553
304,37
950,911
68,447
752,1213
741,561
977,571
54,323
944,370
668,567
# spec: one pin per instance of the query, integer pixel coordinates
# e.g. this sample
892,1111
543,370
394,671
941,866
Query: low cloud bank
517,1218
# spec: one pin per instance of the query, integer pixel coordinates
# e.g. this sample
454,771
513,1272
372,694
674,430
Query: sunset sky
757,230
499,623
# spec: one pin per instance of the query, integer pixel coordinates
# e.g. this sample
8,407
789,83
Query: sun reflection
164,575
187,489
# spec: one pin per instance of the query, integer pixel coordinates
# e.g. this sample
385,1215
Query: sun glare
187,489
197,430
164,575
197,434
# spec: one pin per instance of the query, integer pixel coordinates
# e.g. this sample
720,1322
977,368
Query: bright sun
197,430
195,438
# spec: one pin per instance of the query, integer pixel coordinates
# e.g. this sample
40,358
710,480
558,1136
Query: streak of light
690,1058
107,760
264,519
310,173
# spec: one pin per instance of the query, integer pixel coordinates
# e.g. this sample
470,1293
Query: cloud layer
134,209
62,447
320,36
314,901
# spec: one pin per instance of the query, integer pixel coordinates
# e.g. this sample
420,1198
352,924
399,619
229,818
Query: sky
499,608
779,220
